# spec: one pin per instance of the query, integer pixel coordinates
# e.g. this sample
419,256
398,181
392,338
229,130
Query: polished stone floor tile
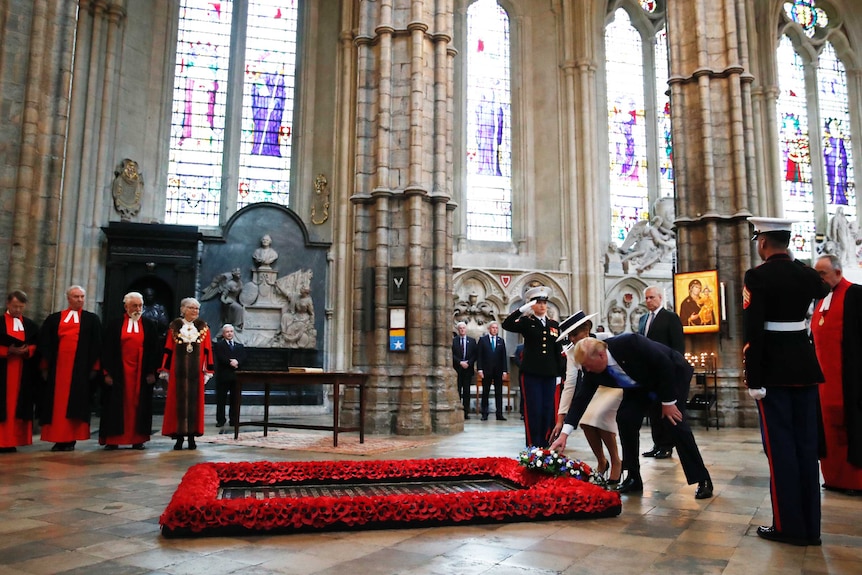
95,512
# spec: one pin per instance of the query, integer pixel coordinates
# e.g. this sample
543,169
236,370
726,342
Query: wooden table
286,378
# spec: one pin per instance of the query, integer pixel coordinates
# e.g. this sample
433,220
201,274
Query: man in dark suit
229,357
464,360
640,367
542,367
491,360
782,374
665,327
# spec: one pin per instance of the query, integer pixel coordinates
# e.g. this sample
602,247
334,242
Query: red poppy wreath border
196,510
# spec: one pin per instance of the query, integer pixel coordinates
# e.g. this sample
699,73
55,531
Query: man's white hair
133,295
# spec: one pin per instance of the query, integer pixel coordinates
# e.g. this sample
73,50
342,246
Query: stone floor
96,512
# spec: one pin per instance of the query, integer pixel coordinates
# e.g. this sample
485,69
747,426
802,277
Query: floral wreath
546,461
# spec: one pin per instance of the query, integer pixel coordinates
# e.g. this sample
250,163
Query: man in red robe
70,342
130,357
837,330
18,374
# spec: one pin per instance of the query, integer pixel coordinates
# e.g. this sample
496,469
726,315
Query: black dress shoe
704,489
192,444
138,446
631,485
501,418
484,418
663,453
651,452
8,449
111,447
179,444
220,423
770,534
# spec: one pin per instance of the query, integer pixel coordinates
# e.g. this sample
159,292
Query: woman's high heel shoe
603,470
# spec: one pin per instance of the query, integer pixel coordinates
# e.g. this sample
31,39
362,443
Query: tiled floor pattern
96,512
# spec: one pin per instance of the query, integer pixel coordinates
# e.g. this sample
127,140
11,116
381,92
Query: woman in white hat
599,422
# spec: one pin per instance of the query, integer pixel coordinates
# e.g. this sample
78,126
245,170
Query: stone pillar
38,37
89,160
716,183
401,193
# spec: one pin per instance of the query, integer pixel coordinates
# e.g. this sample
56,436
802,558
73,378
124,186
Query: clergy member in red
18,374
70,343
837,330
187,366
130,357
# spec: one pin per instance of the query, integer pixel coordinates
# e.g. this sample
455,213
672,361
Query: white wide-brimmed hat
573,322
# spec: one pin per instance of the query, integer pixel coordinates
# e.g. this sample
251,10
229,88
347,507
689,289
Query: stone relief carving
127,189
649,242
227,287
268,311
474,311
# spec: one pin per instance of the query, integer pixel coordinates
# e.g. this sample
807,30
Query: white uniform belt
784,325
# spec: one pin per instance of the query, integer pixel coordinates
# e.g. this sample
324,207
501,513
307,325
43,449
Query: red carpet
290,497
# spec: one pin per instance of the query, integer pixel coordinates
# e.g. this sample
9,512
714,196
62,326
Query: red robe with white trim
18,382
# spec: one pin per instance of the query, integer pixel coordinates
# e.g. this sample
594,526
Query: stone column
38,37
403,143
716,181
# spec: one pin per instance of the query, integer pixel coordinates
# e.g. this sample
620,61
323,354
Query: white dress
602,409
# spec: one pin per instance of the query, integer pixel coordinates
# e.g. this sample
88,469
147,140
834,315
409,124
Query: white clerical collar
132,326
17,325
72,316
827,301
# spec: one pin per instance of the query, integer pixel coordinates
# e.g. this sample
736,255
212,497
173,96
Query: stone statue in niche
841,238
127,189
650,242
268,311
155,311
297,310
265,256
228,287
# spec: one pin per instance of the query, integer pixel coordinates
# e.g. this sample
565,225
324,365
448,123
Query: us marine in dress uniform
782,374
542,367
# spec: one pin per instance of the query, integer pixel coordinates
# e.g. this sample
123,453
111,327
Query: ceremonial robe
129,357
837,335
18,381
186,362
71,352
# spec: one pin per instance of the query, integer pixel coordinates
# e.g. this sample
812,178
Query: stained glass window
806,14
198,151
629,196
489,139
813,114
837,151
665,142
793,137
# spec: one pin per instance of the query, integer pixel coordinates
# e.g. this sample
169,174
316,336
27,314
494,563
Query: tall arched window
489,126
640,152
813,120
232,117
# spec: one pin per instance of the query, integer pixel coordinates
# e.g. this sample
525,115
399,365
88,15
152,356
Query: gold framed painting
696,295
